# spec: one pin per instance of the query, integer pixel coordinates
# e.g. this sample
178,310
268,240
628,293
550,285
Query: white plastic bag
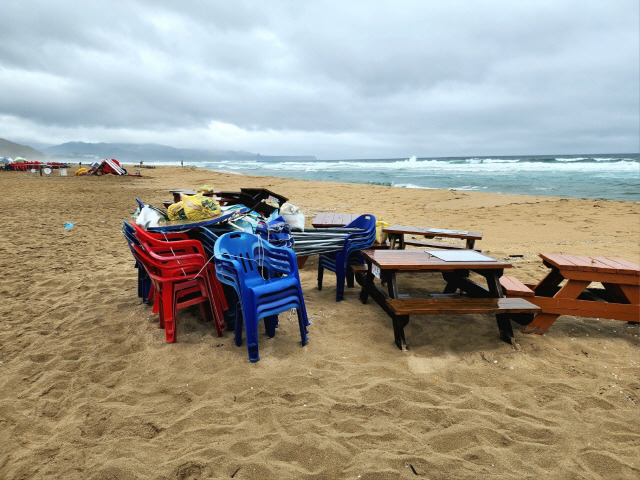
293,216
148,217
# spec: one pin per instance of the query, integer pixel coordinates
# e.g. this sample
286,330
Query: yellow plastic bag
381,237
176,211
199,207
205,189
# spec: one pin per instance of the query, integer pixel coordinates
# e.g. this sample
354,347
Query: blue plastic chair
338,262
208,237
266,280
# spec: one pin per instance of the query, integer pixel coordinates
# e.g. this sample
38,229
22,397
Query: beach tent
4,160
108,165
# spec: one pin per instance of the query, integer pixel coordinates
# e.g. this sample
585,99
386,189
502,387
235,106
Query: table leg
505,328
547,287
493,283
542,321
393,240
392,285
503,319
399,322
367,284
459,279
470,243
623,293
349,277
452,282
380,297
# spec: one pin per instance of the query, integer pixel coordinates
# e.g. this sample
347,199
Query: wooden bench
362,269
502,307
513,287
424,306
356,272
418,243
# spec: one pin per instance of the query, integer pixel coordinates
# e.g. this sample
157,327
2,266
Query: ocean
602,176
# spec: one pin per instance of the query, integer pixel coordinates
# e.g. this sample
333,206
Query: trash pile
108,166
208,214
237,254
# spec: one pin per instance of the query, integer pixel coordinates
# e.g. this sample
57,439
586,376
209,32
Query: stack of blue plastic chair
338,262
207,237
144,282
266,281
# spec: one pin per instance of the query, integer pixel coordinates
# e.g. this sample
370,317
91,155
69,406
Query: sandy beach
89,389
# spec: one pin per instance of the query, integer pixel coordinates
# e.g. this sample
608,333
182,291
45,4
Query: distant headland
133,152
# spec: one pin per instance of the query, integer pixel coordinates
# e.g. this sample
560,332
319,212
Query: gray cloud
355,80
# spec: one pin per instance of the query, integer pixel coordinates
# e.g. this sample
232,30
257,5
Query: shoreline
621,186
90,388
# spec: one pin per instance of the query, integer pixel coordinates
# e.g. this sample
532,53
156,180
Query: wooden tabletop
420,260
591,264
329,219
435,232
186,192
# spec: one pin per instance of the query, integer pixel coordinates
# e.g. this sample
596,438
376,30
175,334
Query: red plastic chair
177,286
165,237
183,264
155,244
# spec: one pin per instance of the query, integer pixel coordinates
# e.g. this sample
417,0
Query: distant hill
12,150
150,152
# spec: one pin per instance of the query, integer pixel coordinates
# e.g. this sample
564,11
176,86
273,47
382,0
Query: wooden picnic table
396,235
177,194
330,219
620,279
387,264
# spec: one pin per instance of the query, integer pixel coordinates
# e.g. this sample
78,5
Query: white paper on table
460,256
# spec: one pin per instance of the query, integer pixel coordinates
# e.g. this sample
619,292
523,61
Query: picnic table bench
619,301
386,264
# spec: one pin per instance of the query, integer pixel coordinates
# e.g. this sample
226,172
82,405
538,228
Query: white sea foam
471,188
610,176
500,160
425,166
411,185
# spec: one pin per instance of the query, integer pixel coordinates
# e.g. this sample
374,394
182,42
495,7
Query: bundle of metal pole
320,240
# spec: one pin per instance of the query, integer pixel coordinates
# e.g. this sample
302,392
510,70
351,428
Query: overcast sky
335,79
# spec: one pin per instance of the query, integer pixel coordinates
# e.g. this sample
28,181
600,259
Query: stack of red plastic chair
144,282
179,269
